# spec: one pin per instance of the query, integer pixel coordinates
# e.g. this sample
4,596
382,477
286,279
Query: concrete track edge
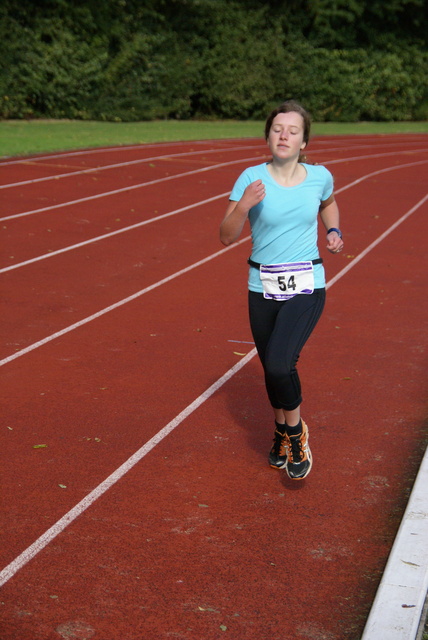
399,603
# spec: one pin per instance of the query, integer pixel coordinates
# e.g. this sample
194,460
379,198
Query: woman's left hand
334,242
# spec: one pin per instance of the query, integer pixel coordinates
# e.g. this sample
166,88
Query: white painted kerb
398,605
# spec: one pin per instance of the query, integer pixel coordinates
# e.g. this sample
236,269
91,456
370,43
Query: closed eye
293,131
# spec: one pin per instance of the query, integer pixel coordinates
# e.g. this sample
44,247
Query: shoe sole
275,466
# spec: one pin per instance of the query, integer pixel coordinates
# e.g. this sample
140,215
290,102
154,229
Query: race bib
284,281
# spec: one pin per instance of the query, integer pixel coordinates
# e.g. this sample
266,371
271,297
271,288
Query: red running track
137,499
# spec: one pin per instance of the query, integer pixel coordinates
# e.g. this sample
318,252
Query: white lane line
189,173
116,305
376,155
105,194
11,569
379,171
186,154
171,213
95,150
378,240
128,163
113,233
317,139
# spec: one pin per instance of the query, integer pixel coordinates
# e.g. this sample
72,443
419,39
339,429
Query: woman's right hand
237,212
253,194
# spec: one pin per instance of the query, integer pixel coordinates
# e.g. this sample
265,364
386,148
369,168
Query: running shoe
279,452
299,456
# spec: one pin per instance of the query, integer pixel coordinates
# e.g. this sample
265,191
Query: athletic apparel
284,226
291,451
299,456
278,453
280,330
284,229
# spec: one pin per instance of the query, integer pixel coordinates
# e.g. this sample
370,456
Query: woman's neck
288,174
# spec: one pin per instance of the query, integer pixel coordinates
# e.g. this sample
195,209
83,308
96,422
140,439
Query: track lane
91,182
84,155
162,176
77,341
160,567
174,482
136,258
89,370
124,165
123,205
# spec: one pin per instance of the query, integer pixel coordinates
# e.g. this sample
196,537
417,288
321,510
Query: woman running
282,199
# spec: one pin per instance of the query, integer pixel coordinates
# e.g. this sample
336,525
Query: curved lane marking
123,164
418,138
175,212
105,194
11,569
151,287
128,163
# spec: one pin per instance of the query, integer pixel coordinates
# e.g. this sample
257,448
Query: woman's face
285,139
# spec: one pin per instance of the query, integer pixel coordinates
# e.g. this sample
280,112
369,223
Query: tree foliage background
346,60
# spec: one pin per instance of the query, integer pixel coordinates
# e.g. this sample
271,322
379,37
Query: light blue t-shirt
284,225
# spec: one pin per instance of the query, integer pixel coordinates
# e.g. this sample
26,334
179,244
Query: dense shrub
148,78
127,60
358,84
47,73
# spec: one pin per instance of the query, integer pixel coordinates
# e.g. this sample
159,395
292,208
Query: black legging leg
280,330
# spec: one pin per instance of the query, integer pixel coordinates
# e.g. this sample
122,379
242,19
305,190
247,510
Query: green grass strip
22,137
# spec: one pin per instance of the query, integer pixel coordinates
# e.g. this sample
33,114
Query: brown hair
286,107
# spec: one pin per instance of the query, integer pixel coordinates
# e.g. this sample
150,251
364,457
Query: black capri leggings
280,330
